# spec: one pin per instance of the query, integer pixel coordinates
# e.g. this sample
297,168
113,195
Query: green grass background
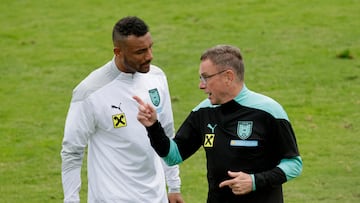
290,49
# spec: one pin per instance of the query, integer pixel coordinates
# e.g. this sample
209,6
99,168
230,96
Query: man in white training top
122,165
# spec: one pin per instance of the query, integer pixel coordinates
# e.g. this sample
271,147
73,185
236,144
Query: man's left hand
175,198
240,184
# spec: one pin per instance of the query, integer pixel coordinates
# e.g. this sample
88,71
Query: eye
141,51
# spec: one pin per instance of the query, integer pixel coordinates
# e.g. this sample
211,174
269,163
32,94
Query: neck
238,88
123,66
118,64
233,91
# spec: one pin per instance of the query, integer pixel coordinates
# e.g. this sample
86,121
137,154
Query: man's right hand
147,113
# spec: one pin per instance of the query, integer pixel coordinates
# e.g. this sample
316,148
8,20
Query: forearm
71,178
158,139
285,171
71,185
269,178
165,147
173,180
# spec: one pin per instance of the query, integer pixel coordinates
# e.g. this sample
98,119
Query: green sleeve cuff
173,157
291,167
253,182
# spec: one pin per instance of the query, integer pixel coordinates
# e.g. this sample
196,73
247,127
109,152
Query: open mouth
145,65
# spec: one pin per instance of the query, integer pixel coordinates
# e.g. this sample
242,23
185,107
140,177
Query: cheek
217,89
133,58
133,61
213,88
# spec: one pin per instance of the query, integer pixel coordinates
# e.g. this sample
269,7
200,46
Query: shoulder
94,81
266,103
155,70
155,74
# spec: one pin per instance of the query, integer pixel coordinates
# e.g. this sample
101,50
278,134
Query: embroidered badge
119,120
209,140
244,129
155,97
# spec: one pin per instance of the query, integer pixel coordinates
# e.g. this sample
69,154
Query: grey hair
226,56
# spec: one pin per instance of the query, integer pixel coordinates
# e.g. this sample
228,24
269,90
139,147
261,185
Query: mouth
146,64
144,68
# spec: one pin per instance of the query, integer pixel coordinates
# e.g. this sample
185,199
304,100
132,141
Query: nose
149,55
202,85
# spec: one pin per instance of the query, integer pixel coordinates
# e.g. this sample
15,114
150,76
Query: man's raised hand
147,113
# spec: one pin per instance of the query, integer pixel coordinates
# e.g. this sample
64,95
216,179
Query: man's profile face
215,82
135,54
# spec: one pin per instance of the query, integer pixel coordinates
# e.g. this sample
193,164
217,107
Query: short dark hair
226,56
130,25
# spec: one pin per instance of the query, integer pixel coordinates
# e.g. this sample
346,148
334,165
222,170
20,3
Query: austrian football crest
155,97
244,129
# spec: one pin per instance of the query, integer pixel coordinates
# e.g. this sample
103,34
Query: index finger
138,100
227,183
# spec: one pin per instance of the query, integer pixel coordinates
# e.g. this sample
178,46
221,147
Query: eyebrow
143,49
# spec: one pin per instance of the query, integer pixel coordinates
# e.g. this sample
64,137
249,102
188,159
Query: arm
173,180
243,183
172,177
285,171
290,164
73,146
173,183
165,147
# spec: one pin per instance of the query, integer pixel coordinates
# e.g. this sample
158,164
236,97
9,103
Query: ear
230,76
117,51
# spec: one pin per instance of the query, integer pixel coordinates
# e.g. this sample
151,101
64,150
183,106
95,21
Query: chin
146,70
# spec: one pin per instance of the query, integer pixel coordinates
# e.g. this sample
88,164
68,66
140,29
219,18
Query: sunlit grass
304,54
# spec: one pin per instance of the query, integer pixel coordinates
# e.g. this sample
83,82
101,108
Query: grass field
305,54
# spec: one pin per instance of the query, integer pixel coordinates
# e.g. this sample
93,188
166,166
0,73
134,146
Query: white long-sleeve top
122,165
